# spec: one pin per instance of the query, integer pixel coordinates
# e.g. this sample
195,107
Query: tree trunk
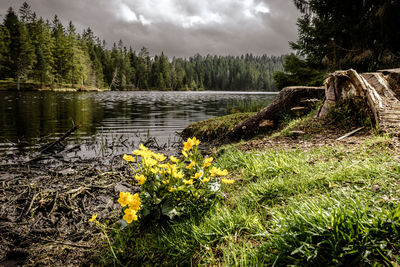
269,116
18,82
379,89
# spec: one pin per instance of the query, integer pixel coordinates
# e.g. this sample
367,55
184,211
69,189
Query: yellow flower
207,161
188,182
128,158
165,181
184,153
191,165
216,171
160,157
141,179
195,141
154,170
123,198
206,180
178,175
149,162
94,218
130,215
173,159
172,189
143,148
137,152
223,173
198,175
134,202
227,181
162,166
188,144
171,168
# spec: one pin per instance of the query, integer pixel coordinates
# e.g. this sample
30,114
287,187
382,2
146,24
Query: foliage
327,205
358,34
297,72
52,54
169,189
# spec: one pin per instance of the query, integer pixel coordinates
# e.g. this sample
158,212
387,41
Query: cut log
270,116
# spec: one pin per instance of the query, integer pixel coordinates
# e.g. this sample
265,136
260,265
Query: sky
179,28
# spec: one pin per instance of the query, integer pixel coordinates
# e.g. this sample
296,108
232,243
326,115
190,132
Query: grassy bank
335,204
215,128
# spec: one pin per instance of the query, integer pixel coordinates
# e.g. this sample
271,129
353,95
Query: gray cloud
180,27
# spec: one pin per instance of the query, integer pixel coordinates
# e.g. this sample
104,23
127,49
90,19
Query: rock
123,187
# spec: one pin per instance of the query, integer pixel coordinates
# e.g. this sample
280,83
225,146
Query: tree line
50,54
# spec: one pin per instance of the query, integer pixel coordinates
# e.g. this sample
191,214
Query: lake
109,119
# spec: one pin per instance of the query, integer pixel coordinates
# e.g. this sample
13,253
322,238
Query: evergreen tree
21,53
4,51
349,34
43,44
26,14
60,52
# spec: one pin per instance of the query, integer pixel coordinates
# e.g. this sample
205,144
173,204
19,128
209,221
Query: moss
350,113
214,128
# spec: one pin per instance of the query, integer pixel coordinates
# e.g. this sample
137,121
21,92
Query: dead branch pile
44,211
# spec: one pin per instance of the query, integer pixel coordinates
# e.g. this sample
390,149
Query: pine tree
21,53
4,51
43,44
349,34
60,52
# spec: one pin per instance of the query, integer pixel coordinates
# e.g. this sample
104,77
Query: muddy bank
45,207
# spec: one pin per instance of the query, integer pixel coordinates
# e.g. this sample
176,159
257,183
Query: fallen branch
350,133
51,145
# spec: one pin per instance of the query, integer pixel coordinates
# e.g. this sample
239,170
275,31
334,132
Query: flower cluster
132,202
174,186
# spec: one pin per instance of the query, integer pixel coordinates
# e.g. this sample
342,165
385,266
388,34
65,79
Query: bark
269,116
379,89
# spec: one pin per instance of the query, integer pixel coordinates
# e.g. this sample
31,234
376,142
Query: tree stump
380,90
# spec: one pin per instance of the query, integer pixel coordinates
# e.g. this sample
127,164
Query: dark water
108,119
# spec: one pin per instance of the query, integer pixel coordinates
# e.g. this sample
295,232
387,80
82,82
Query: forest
48,54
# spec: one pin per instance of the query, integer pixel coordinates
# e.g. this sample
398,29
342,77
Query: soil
45,207
316,133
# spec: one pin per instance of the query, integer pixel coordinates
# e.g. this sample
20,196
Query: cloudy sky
180,27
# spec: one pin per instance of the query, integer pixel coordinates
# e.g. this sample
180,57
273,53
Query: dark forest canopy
359,34
50,54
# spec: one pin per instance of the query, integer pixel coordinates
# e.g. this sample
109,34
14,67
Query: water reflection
30,118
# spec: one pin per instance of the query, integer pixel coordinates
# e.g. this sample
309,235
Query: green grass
331,205
214,128
244,106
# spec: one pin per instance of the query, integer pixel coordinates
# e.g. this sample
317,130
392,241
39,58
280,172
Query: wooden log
272,114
